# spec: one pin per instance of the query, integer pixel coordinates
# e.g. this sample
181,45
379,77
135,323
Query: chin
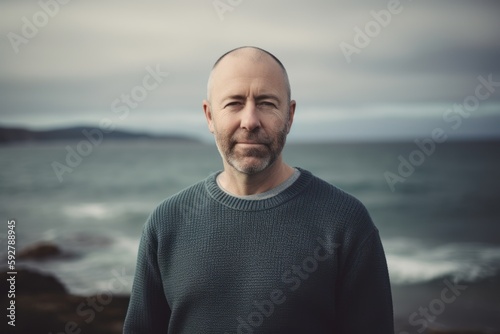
250,167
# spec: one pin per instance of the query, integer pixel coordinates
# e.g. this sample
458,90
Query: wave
98,262
411,261
104,211
88,210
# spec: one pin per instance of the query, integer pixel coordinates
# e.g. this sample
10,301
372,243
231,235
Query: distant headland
11,135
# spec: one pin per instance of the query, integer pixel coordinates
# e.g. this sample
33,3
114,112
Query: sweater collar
255,205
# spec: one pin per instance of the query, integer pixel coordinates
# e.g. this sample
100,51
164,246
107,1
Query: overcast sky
73,65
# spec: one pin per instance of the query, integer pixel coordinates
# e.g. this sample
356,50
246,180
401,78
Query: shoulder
346,217
344,212
334,197
175,207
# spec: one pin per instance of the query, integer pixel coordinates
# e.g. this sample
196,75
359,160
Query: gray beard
266,158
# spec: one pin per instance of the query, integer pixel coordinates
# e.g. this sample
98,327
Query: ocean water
441,224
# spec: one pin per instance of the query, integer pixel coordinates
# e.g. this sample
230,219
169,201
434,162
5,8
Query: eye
267,104
232,104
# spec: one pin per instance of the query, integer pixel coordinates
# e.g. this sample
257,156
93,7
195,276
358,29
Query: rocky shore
43,304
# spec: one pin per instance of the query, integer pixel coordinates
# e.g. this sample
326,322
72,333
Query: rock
49,313
29,282
435,331
44,306
39,251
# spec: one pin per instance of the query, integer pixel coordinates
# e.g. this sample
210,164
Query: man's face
249,112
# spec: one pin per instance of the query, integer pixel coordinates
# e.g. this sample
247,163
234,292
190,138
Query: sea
437,208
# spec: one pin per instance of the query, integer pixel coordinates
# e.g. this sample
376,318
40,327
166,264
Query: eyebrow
257,98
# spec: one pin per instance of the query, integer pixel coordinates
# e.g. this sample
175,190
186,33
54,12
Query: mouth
250,144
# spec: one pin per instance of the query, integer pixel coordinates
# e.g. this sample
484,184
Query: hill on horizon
10,135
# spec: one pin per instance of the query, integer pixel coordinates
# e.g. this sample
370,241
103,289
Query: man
260,247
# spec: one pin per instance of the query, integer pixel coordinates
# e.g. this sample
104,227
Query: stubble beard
262,157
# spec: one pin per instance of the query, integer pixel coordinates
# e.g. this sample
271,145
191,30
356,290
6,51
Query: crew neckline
239,203
266,194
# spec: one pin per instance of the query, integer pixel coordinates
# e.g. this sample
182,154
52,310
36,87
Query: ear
208,115
291,114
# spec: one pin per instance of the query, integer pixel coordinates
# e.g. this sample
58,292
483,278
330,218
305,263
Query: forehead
237,74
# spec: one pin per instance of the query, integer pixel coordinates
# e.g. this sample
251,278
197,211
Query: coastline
447,306
44,305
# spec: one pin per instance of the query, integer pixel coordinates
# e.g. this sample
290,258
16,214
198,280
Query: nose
249,117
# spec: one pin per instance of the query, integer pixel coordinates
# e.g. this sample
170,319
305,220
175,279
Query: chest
238,260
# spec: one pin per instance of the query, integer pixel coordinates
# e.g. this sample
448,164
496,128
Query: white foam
88,210
104,211
97,268
410,261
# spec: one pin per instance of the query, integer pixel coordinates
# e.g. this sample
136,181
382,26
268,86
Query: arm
148,310
365,301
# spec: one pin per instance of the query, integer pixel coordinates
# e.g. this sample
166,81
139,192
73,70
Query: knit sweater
308,260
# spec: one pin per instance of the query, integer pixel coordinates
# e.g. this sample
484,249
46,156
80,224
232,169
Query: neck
242,184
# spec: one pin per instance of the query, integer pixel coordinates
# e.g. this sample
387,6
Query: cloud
91,52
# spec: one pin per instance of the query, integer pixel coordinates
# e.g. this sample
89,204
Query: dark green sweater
308,260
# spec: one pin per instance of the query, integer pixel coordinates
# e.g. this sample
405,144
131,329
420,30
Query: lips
250,143
251,140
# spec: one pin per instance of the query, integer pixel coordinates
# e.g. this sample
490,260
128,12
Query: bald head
248,54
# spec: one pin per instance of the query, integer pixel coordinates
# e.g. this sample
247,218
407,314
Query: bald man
259,247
